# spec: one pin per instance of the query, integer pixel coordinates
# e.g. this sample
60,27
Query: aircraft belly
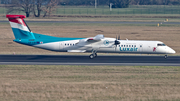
50,46
77,48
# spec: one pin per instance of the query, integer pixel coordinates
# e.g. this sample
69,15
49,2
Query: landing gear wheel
91,56
165,56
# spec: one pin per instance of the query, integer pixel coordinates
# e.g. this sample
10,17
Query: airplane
99,43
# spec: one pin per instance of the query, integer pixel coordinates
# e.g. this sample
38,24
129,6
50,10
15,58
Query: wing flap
77,51
87,42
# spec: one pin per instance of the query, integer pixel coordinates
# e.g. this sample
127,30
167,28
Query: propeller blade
116,42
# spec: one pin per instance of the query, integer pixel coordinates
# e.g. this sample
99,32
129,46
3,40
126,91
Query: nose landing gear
166,56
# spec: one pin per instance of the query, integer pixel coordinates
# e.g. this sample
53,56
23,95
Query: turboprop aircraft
99,43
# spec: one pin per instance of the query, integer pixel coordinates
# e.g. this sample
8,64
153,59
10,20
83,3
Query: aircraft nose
171,51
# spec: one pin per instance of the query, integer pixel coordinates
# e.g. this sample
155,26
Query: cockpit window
161,44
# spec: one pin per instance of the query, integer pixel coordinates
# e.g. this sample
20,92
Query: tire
91,56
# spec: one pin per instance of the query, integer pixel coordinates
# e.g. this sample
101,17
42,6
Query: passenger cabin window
161,44
128,45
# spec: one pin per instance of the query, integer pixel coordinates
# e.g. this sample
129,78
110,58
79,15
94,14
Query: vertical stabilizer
19,27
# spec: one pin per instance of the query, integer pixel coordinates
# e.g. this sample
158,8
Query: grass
117,11
104,10
143,13
89,83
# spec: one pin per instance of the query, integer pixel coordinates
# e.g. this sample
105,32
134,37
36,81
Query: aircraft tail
19,27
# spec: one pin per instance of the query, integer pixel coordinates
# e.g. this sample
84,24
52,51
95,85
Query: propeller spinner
116,42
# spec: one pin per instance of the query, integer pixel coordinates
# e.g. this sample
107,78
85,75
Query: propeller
116,42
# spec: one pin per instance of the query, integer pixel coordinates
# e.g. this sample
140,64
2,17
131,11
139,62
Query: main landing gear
93,55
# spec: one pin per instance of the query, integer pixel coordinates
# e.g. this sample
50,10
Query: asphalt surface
101,22
84,60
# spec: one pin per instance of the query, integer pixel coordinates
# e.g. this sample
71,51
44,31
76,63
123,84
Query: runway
100,22
84,60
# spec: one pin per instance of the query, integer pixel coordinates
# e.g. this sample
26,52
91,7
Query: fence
104,10
133,9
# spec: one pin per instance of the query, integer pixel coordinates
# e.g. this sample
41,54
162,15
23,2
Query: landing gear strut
93,55
166,56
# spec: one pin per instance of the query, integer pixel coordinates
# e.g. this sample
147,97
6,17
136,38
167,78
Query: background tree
50,7
19,5
37,7
43,6
76,2
120,3
155,2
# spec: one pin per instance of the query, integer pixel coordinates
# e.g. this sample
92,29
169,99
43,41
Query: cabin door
141,48
61,45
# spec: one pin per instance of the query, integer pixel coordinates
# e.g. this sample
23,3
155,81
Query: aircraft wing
88,41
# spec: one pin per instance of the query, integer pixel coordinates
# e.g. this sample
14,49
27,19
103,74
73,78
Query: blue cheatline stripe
26,37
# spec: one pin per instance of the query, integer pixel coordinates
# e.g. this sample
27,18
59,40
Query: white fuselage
106,45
